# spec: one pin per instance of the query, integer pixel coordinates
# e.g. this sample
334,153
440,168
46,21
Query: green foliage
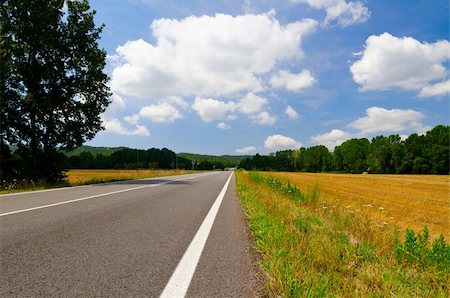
286,188
106,151
417,250
306,251
224,161
52,85
426,154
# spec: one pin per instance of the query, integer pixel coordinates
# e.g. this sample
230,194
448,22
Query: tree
351,156
317,159
53,88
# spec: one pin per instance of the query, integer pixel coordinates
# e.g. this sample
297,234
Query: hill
106,151
228,160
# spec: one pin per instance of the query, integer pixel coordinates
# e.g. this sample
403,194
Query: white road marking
181,278
97,196
103,183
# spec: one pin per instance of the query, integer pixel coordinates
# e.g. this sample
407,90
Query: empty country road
178,236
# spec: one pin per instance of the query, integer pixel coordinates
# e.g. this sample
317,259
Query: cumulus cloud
206,56
210,110
114,126
223,125
263,118
436,89
383,120
291,113
162,112
332,139
133,119
213,110
246,150
292,81
280,142
251,103
117,105
340,11
389,62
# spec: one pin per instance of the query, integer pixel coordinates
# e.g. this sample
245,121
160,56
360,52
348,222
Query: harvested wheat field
77,177
409,201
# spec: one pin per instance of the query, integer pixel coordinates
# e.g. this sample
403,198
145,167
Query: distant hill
229,160
106,151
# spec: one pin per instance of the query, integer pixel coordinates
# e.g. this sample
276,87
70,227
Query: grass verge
309,249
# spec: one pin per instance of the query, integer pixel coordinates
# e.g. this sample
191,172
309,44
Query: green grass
310,250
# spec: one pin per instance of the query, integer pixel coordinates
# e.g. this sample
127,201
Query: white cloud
207,56
251,103
117,105
223,125
279,142
133,119
246,150
114,126
162,112
383,120
389,62
213,110
332,139
263,118
292,81
343,12
291,113
436,89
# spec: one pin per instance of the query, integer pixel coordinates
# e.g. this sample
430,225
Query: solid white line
93,197
103,183
181,278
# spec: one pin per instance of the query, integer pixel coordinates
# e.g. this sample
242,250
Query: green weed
308,250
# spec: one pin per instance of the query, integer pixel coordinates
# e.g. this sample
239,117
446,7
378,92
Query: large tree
53,88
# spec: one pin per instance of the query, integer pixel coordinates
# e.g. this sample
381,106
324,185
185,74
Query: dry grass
409,201
314,242
78,177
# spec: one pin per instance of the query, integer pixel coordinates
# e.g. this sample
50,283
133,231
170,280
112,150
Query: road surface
179,236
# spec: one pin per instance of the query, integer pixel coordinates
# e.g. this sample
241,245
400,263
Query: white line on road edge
102,183
181,278
92,197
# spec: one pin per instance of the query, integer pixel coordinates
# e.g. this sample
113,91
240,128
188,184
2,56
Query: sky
245,77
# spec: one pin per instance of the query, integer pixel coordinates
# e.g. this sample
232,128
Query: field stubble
314,242
80,177
408,201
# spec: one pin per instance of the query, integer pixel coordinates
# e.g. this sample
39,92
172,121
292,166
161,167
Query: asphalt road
172,235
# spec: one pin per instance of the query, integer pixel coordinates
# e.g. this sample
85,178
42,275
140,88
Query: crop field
342,235
78,177
82,177
408,201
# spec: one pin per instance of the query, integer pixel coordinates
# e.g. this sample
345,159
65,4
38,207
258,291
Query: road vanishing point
177,236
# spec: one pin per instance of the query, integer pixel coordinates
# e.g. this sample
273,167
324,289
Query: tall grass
311,249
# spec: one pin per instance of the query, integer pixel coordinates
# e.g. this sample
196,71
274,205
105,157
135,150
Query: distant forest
418,154
87,157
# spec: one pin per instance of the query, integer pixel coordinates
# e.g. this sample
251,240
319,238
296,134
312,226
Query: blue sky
241,77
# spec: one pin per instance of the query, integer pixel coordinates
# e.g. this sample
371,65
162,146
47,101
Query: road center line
93,197
181,278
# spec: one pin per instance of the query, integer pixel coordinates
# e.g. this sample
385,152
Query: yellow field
409,201
77,177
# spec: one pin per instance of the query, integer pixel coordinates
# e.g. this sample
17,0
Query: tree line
418,154
128,158
14,164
